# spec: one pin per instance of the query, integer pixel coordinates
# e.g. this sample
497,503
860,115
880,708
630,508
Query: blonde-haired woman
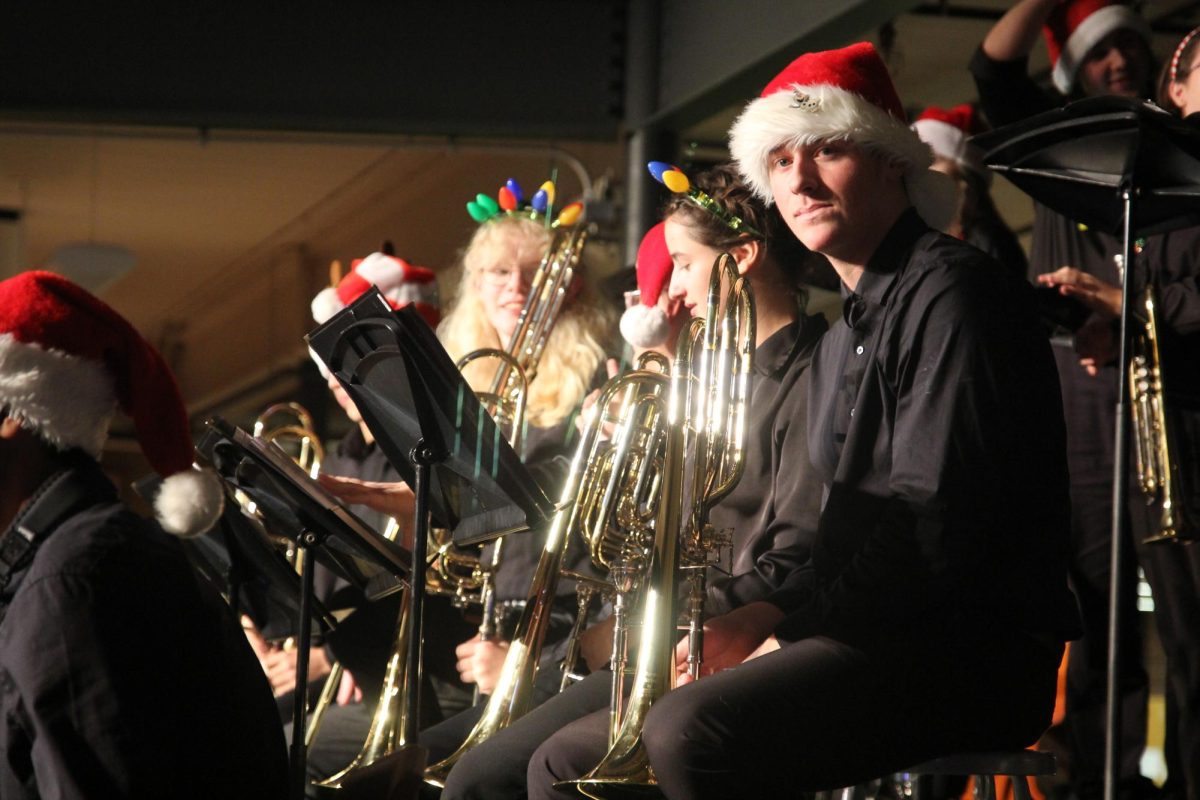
497,269
498,265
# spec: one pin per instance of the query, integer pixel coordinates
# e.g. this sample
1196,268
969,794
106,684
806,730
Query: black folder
408,389
291,503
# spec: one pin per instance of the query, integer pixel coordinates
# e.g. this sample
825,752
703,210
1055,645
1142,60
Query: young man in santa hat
121,673
1098,48
936,593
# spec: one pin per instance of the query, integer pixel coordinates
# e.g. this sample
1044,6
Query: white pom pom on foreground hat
67,361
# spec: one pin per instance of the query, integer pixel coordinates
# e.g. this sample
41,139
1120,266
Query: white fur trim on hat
644,326
189,502
949,141
326,304
1088,34
67,400
832,113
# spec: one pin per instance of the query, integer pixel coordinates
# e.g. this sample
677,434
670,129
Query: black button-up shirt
936,426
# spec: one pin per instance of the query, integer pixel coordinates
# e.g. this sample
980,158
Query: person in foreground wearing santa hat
1099,48
935,595
122,674
976,220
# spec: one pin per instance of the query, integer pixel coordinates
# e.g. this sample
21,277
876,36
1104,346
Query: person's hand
280,666
596,643
480,662
394,499
585,411
731,639
1095,343
1101,297
348,690
258,644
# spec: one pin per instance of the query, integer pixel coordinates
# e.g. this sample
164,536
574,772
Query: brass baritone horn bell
703,462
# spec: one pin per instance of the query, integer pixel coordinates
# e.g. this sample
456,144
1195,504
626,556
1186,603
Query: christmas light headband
510,202
673,178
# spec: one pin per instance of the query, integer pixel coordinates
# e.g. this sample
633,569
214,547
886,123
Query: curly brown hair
724,185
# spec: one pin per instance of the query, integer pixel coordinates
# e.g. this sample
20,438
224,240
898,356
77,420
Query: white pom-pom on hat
645,326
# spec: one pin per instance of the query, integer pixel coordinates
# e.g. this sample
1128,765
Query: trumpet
704,458
1156,450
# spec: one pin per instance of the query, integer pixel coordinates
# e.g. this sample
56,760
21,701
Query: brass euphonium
1156,452
706,431
586,499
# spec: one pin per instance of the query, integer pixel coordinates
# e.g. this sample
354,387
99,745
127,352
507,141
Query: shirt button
859,350
852,412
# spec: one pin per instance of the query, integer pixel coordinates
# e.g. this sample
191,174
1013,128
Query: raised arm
1016,33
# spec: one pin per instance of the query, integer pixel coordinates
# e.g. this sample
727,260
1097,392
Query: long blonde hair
575,349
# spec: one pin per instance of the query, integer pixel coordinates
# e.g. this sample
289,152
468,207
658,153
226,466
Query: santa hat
645,324
946,130
400,282
68,361
1076,26
842,94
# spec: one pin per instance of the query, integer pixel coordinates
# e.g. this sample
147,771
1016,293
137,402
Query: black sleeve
1178,269
786,542
1006,92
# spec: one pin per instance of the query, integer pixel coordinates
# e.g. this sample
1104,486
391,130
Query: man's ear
747,254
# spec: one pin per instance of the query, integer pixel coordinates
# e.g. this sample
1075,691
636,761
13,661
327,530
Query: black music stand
408,390
1128,168
429,424
239,559
297,507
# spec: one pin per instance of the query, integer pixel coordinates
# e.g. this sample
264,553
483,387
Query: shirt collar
889,257
776,352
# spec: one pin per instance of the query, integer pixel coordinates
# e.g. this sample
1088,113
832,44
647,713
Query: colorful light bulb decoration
510,200
674,179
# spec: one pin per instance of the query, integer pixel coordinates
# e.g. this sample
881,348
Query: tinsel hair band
673,178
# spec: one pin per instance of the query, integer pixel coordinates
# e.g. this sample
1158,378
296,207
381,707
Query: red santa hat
68,361
645,324
843,94
400,282
1076,26
947,130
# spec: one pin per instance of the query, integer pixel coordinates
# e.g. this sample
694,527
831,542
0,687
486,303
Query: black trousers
1087,663
496,769
1173,572
821,714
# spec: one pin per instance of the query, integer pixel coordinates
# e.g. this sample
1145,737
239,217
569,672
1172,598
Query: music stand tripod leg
299,754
